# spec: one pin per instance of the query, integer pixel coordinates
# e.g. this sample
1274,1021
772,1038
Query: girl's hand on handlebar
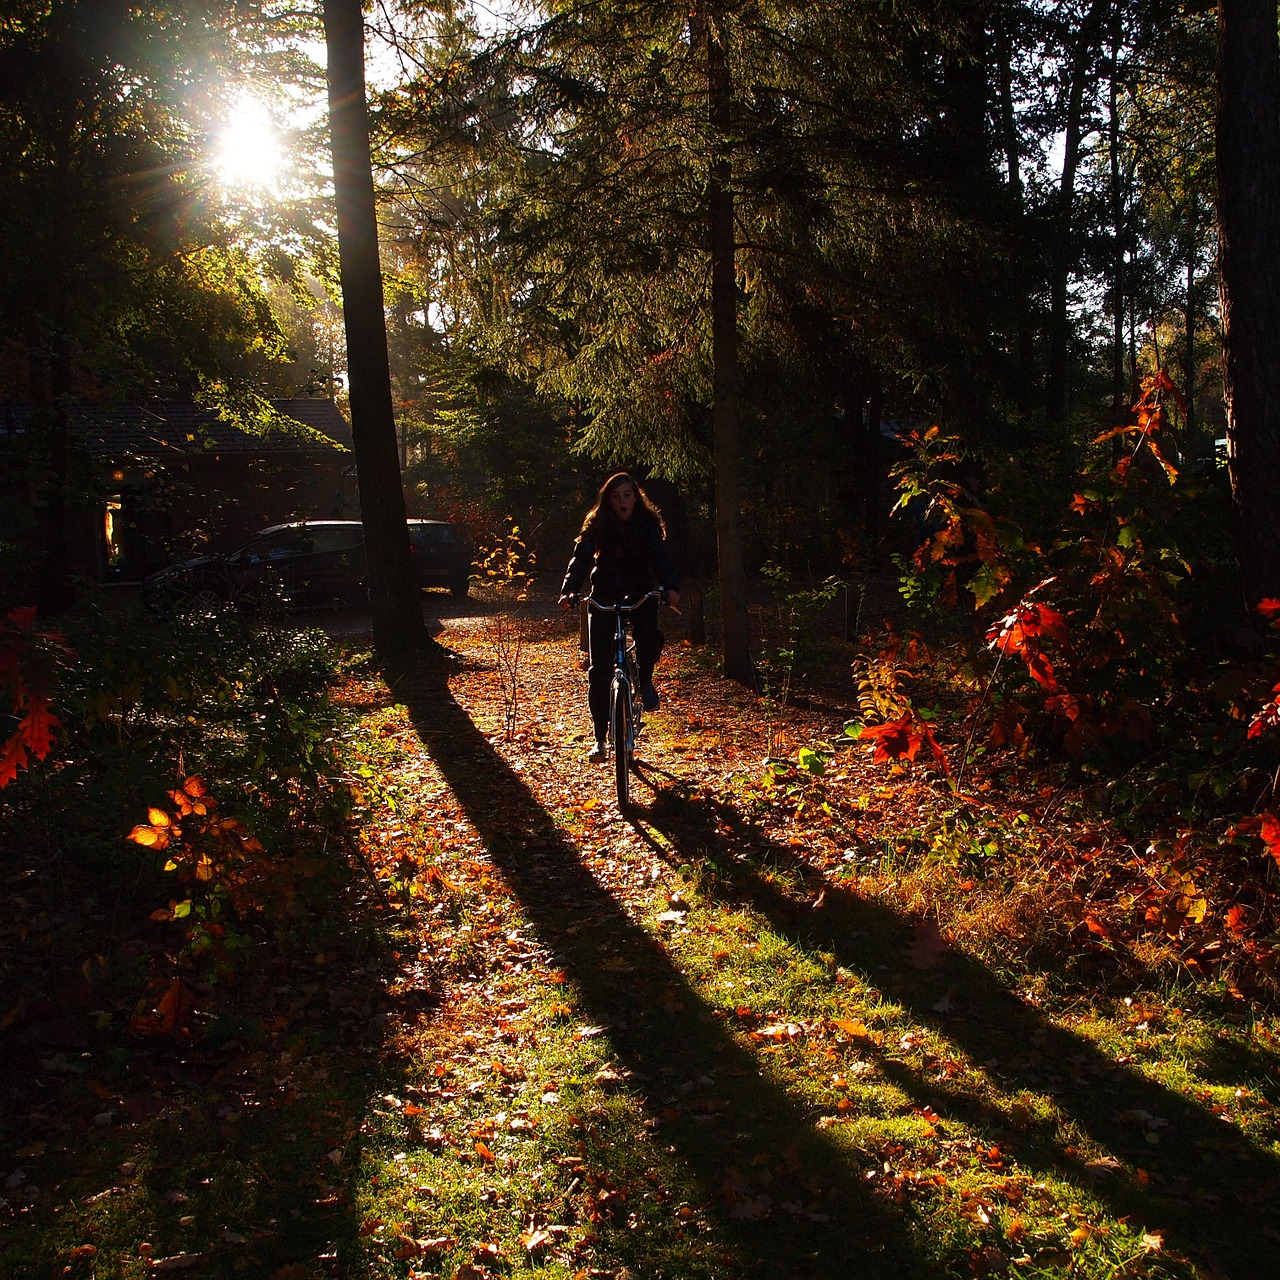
567,602
673,600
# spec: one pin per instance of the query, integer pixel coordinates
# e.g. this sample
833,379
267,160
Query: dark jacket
627,561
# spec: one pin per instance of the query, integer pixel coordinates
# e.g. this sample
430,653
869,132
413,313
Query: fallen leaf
751,1208
437,1245
851,1027
928,946
781,1031
177,1262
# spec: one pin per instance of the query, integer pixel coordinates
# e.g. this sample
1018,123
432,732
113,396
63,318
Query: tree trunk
394,595
55,592
736,640
1009,140
1119,401
1011,146
1062,249
1190,446
1248,137
875,469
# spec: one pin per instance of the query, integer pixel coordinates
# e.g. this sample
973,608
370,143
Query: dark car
311,563
442,555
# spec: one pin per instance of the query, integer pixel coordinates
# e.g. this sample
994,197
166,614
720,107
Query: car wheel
206,600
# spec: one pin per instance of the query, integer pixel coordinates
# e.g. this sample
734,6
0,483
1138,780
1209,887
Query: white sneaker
598,754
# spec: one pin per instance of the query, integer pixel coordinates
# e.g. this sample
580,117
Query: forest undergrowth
801,1012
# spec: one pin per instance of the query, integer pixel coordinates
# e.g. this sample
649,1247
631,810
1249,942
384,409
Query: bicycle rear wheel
620,731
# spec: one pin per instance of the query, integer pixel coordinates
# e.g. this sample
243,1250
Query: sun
248,150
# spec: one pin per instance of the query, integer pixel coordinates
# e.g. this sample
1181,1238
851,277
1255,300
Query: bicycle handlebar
592,602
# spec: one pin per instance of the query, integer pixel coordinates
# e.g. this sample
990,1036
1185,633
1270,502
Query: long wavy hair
601,516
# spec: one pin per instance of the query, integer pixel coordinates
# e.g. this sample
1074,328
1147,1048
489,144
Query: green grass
521,1071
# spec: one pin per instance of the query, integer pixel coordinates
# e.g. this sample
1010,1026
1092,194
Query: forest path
775,1022
674,1043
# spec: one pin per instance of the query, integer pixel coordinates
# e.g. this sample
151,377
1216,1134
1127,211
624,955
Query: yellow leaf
851,1026
148,837
157,817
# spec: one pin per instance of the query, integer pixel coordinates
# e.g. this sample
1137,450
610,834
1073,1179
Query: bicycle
626,712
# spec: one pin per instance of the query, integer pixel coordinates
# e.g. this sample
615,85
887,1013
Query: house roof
160,428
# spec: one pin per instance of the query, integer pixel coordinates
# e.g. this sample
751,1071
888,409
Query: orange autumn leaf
33,736
1041,671
1270,833
484,1152
1066,704
902,739
851,1026
1267,827
175,1007
1095,925
892,739
172,1015
1026,626
148,837
12,758
1267,716
37,726
1149,423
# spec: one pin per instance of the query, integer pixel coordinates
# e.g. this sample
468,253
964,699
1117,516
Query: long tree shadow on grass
1019,1048
673,1046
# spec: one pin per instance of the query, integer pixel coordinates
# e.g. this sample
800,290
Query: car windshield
428,535
275,545
336,537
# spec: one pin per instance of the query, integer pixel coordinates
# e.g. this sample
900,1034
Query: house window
112,527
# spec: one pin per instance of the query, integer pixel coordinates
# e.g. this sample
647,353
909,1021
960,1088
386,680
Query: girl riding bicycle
622,547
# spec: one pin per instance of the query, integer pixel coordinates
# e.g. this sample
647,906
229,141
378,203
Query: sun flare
248,150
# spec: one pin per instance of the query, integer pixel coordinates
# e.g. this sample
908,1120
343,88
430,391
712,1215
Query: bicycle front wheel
620,730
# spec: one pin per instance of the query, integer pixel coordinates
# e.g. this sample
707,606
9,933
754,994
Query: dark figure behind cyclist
622,550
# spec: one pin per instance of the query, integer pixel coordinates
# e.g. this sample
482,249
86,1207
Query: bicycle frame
625,710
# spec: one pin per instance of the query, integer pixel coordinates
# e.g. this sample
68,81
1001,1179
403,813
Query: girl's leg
600,627
649,640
